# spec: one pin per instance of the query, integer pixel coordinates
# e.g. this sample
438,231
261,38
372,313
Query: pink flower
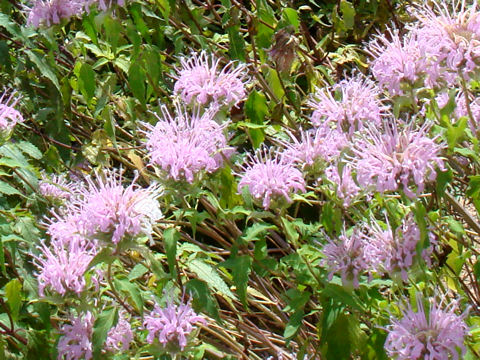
398,59
320,144
62,265
346,188
112,212
270,175
450,37
433,334
76,342
56,188
387,160
120,336
188,144
395,251
358,103
345,255
50,12
9,116
200,81
172,324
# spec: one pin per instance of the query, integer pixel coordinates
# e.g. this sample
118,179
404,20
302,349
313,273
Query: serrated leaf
132,291
257,231
291,16
138,271
210,275
294,324
136,81
30,149
13,292
103,324
202,298
7,189
256,110
86,81
44,68
241,268
348,12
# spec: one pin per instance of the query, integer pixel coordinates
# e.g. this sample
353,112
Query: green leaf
7,189
171,237
210,275
86,81
256,110
136,81
104,322
202,298
455,132
291,16
132,291
45,70
13,292
138,271
294,324
164,8
257,231
348,12
237,43
29,149
241,268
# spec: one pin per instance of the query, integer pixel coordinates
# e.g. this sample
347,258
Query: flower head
50,12
76,342
345,255
171,325
320,144
359,103
187,144
450,37
346,187
271,175
62,265
434,334
397,59
107,208
387,160
56,188
9,116
201,82
395,252
120,336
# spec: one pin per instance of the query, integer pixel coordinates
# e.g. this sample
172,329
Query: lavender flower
433,334
359,103
50,12
450,37
271,176
346,187
62,266
120,336
9,116
316,145
109,209
397,59
394,252
389,159
171,325
187,144
76,342
346,256
200,82
56,188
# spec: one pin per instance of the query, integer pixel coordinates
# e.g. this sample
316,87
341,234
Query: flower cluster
359,103
450,38
437,333
346,256
171,325
200,82
346,188
56,188
9,116
185,145
388,159
109,209
76,342
270,175
120,336
394,252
